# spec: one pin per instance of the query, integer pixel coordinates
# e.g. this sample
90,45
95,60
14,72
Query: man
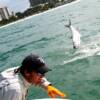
14,82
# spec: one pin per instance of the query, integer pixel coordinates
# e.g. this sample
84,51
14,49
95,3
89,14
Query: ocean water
74,72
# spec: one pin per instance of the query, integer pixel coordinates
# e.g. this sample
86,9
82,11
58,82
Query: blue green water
74,72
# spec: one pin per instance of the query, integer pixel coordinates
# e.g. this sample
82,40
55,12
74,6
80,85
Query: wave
74,59
23,47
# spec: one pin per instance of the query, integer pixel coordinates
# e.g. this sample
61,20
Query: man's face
34,78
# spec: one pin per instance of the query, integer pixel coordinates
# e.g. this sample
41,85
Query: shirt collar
25,82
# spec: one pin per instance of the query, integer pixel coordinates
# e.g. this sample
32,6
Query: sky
15,5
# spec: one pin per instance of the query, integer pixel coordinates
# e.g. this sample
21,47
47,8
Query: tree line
34,10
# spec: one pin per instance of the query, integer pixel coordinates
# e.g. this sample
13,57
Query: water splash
85,51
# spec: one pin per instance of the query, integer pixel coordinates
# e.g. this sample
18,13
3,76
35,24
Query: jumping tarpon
75,35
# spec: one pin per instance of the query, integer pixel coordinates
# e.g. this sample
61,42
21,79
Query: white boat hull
52,99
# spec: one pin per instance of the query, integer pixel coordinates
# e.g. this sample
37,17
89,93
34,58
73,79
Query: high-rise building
4,13
36,2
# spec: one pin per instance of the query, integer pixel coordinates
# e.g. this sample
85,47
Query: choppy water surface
75,72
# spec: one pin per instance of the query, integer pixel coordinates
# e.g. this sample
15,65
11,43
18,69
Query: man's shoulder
9,69
9,72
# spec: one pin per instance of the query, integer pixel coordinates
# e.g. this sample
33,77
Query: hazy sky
15,5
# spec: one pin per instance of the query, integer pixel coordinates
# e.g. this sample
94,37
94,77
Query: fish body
75,35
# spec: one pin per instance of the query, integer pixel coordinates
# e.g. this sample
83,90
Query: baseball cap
35,63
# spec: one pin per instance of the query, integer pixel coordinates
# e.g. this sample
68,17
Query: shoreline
50,10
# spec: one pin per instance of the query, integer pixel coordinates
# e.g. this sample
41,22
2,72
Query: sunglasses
41,75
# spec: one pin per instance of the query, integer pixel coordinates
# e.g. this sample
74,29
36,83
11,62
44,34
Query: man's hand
53,92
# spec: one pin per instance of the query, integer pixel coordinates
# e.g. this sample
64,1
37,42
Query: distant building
37,2
0,18
4,13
